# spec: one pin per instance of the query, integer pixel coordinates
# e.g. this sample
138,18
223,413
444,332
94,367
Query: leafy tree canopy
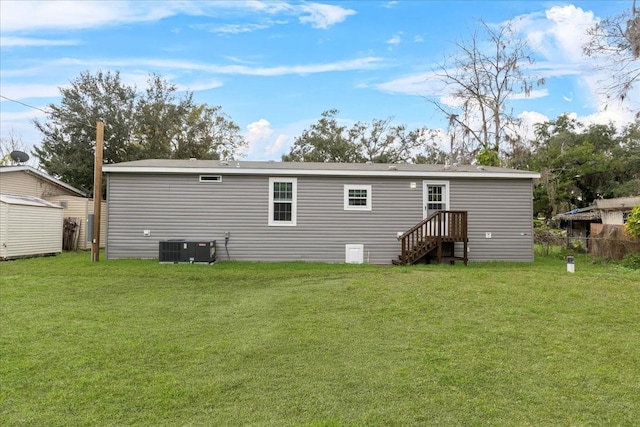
632,226
579,164
377,141
155,123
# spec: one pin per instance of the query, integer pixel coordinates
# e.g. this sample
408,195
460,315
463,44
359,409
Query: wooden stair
442,228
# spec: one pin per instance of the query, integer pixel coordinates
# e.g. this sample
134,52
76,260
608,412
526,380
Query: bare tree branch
481,81
616,41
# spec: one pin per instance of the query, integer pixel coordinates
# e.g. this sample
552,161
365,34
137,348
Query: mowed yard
133,342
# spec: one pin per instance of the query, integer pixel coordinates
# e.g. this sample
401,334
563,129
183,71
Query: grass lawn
133,342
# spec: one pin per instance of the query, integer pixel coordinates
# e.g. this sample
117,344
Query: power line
26,105
40,109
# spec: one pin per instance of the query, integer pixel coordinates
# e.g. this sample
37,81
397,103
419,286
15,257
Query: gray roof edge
324,169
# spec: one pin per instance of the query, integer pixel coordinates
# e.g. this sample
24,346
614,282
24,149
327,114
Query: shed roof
42,175
585,214
310,168
12,199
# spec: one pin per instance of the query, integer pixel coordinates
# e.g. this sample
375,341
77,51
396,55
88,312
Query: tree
324,141
616,41
481,78
377,141
68,142
156,123
632,226
10,143
579,164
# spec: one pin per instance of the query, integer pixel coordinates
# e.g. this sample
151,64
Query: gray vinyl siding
175,206
180,207
502,207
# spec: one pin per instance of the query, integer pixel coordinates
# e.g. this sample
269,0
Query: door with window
435,198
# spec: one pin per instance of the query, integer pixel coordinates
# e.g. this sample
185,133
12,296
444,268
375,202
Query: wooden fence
611,242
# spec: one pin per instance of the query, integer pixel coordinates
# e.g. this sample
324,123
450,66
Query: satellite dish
19,156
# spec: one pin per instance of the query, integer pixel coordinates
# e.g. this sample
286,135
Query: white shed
29,226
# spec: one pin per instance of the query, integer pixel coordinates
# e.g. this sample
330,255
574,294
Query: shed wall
4,223
32,230
180,207
80,207
25,184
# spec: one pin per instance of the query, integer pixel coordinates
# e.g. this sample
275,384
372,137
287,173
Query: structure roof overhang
317,169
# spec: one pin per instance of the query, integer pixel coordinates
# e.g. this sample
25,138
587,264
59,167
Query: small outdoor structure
329,212
29,181
78,209
596,224
29,226
615,211
578,223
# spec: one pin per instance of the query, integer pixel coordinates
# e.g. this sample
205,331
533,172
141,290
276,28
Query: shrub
631,261
632,226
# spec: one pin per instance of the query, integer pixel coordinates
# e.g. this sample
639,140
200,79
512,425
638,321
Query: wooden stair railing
429,234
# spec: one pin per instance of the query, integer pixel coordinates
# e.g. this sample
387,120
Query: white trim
318,172
348,207
294,202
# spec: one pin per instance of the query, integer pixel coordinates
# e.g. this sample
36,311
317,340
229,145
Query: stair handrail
412,236
419,225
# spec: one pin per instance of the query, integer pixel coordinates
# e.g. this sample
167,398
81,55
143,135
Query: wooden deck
435,236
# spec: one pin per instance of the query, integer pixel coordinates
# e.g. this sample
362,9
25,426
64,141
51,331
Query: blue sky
275,66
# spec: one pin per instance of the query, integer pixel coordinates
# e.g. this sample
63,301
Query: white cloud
200,86
425,84
258,130
74,15
178,65
394,40
231,28
418,39
26,41
277,146
534,94
262,144
528,120
390,4
26,91
324,15
67,15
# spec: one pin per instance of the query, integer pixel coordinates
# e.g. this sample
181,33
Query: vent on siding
64,204
210,178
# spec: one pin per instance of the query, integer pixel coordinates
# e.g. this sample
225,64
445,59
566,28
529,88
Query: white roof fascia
317,172
11,199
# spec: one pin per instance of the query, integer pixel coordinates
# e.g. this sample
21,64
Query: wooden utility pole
97,193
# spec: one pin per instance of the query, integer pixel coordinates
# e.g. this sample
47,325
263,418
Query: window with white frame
282,201
357,197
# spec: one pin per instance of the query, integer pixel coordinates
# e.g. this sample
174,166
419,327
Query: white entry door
436,198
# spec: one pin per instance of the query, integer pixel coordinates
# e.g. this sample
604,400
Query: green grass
138,343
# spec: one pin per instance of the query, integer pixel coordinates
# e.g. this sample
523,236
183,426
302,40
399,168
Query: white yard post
571,266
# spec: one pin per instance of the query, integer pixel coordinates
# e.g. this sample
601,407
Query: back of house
279,211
